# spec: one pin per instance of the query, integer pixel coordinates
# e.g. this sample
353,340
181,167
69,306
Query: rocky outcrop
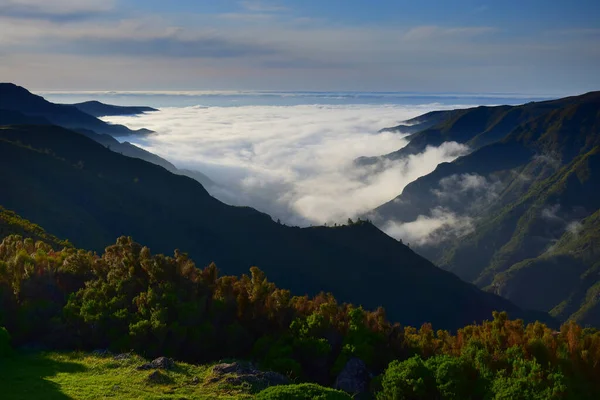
158,363
238,373
354,377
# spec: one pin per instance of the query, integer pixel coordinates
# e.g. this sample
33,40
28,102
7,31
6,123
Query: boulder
233,368
354,377
237,373
158,363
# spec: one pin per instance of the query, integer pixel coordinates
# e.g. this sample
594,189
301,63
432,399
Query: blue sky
527,46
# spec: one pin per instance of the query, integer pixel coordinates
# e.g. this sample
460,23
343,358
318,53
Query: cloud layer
295,163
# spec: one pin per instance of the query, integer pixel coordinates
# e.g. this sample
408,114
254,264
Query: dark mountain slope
80,190
11,117
566,276
98,109
520,195
476,127
16,98
421,122
537,148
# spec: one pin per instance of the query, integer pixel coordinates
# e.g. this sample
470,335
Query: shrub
304,391
409,379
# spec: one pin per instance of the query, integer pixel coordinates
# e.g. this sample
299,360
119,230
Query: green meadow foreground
77,375
84,376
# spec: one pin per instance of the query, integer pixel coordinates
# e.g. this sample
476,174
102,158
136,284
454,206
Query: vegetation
11,223
128,299
531,189
301,392
77,375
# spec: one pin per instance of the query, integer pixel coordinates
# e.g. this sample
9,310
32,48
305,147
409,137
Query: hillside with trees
128,299
517,198
89,194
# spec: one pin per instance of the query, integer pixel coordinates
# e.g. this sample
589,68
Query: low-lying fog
292,162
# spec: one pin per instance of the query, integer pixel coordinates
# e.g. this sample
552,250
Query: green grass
58,376
302,392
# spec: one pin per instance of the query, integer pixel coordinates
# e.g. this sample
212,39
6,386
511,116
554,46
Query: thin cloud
171,46
436,32
55,10
262,6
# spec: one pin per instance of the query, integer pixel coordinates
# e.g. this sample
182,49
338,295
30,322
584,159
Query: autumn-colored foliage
129,299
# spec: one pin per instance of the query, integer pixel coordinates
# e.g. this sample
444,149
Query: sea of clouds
295,163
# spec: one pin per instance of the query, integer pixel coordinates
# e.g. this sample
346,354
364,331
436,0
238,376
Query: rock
242,373
275,379
158,363
354,377
234,368
158,377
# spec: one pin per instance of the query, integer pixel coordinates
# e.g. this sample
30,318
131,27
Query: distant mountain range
19,106
98,109
16,98
526,197
75,187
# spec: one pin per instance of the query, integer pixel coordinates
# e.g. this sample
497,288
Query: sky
467,46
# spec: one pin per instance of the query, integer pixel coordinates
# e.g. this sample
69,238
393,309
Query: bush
455,378
5,349
304,391
409,379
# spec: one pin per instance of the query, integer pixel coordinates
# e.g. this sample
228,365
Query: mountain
475,127
511,201
78,189
15,98
34,110
421,122
574,262
98,109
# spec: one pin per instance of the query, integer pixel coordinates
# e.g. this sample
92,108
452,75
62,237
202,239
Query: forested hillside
513,200
89,194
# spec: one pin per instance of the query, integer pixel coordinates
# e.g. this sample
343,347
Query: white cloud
296,163
456,184
471,191
440,225
550,213
574,227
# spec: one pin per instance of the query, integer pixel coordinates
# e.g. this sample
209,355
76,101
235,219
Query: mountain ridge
17,98
90,195
98,109
516,196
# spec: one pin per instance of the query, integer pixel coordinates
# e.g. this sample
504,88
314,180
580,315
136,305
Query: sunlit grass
53,376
